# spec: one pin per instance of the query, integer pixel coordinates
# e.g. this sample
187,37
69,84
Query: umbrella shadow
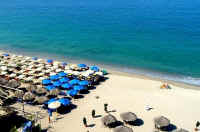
84,92
91,125
78,96
103,79
97,116
9,101
69,98
112,111
138,122
14,120
66,109
169,128
115,124
91,88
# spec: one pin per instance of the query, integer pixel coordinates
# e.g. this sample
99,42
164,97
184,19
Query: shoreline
174,83
127,92
109,68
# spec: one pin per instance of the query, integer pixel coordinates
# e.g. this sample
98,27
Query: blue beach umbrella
35,58
66,86
62,74
5,54
57,84
72,92
84,83
54,77
82,65
64,80
64,101
51,100
74,81
46,81
94,68
78,87
50,87
49,61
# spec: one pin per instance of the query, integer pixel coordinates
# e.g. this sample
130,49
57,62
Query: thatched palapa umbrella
41,100
54,92
122,129
40,91
28,96
128,116
109,120
1,102
4,93
3,81
13,83
31,87
161,122
19,93
182,130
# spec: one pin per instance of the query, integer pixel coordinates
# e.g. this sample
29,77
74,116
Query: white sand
123,93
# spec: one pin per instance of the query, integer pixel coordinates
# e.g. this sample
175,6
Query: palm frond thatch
3,81
28,96
54,92
41,100
128,116
109,120
13,83
161,121
40,91
31,87
122,129
19,93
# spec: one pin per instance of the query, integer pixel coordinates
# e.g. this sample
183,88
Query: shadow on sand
66,109
138,122
169,128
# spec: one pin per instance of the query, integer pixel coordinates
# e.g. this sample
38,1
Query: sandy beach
129,93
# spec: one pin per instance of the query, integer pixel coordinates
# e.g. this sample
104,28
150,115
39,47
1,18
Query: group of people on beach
93,113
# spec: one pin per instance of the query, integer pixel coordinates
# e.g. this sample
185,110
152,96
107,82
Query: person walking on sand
106,108
197,125
84,121
50,114
93,113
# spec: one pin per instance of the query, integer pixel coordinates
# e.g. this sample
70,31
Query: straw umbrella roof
161,121
54,92
128,116
182,130
3,81
40,90
19,93
31,87
28,96
109,120
122,129
6,111
41,100
13,83
1,102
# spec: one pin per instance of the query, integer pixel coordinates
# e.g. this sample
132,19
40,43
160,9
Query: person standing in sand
93,113
84,121
197,125
106,108
50,114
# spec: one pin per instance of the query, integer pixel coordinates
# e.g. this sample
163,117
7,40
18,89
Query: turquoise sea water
160,37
